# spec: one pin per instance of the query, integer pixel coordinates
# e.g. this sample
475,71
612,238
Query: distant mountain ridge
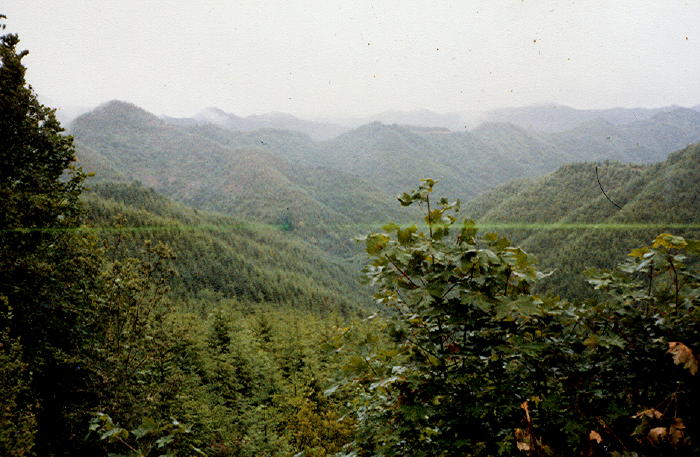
420,117
545,118
280,121
556,118
471,162
271,174
231,172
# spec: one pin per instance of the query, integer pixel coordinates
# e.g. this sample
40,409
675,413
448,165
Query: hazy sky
315,58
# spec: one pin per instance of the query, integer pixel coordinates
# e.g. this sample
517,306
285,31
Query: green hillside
322,192
174,287
470,163
272,175
289,145
221,256
663,194
237,173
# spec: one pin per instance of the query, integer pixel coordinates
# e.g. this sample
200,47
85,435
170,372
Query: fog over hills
419,117
556,118
311,188
325,192
325,229
322,192
227,171
276,120
545,118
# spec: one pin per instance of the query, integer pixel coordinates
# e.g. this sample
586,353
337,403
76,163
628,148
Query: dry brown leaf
523,439
682,354
676,432
522,446
654,414
595,436
657,435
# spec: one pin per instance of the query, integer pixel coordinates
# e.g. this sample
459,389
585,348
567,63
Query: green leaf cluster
486,367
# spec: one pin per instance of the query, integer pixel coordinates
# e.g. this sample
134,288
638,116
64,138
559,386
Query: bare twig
601,189
404,274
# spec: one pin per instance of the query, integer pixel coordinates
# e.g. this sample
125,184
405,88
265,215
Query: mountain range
281,121
236,173
323,193
557,118
546,118
284,177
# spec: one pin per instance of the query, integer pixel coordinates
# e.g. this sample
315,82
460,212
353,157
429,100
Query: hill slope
470,163
224,256
662,194
321,190
238,173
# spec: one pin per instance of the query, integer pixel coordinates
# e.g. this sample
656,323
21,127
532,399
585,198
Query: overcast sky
315,58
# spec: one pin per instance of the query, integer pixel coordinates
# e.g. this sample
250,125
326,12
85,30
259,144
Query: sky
354,58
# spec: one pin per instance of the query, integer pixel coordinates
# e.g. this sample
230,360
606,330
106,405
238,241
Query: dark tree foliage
44,270
34,155
487,368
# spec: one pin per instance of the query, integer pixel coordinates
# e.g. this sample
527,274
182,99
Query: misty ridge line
541,118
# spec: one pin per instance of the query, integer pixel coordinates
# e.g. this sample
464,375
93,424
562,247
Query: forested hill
214,169
219,256
284,177
558,118
466,164
470,163
663,195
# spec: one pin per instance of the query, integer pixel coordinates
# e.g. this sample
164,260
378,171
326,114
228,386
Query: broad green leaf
147,426
164,440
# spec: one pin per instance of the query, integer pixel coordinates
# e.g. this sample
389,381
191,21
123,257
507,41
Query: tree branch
601,189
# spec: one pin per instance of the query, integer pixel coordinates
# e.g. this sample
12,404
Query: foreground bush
486,367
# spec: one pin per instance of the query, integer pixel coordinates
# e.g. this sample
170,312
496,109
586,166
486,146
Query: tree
46,271
17,420
487,368
462,304
38,186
